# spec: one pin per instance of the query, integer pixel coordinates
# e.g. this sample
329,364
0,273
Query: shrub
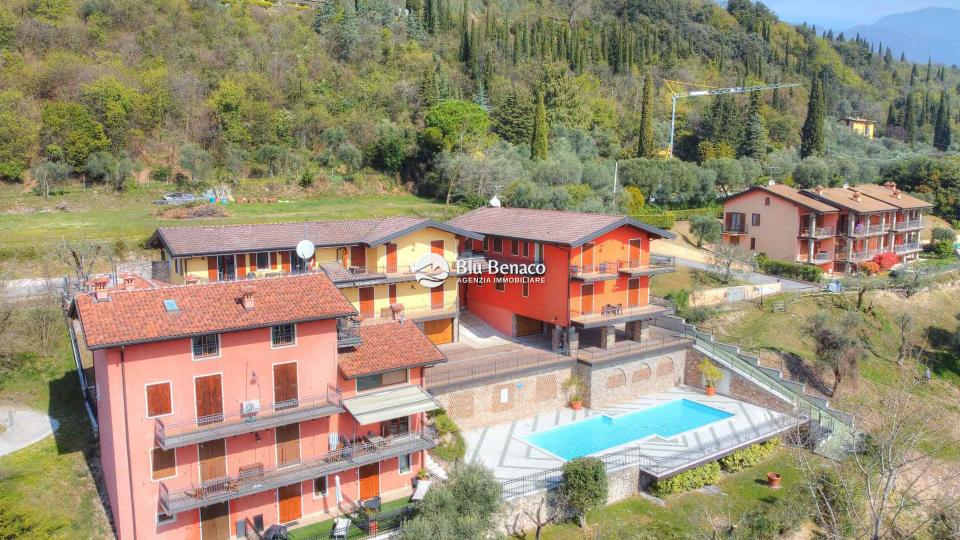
584,485
791,270
680,298
697,314
886,260
749,456
942,234
703,475
161,173
870,267
663,221
711,373
452,447
461,507
941,249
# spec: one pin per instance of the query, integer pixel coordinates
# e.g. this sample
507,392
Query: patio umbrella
336,480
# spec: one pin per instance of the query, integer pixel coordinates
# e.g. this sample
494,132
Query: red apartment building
597,269
236,405
834,228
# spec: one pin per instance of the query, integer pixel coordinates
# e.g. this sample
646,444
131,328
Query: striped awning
389,404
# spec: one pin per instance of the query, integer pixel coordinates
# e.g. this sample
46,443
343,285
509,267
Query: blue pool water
602,432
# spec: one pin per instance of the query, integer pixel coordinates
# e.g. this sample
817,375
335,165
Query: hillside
921,34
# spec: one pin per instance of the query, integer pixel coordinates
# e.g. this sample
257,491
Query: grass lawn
49,484
323,528
689,279
683,516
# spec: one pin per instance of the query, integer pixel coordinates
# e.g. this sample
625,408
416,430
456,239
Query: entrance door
633,293
391,258
358,256
636,246
369,481
215,522
285,385
439,332
288,444
586,299
213,460
586,256
366,301
209,399
288,498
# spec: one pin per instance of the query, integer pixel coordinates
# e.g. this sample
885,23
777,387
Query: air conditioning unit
249,408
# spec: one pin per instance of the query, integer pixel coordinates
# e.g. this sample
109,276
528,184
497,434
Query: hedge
665,220
749,456
703,475
792,270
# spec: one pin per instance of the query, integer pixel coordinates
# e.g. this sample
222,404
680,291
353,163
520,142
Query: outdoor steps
433,467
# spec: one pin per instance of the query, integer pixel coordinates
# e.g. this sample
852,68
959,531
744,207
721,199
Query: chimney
128,281
191,279
856,196
897,193
246,299
819,189
890,185
846,185
101,296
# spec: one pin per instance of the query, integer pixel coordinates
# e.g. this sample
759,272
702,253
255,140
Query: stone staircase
433,467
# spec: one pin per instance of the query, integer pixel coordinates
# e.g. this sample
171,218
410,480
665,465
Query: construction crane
710,91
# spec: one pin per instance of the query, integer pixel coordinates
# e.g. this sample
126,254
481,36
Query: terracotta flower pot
710,390
773,479
576,405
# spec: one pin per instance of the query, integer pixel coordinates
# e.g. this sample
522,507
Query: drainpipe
126,434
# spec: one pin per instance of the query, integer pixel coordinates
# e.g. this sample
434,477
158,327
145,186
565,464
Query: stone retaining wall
619,381
733,385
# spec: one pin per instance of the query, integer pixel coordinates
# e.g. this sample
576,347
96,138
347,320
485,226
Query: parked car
177,198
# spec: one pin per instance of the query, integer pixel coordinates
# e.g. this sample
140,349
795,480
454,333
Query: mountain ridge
920,34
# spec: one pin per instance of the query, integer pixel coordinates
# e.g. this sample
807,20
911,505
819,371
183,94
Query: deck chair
340,528
423,486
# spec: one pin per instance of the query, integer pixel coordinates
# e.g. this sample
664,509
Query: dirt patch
196,211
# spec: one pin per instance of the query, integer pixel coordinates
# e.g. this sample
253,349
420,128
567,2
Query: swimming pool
598,433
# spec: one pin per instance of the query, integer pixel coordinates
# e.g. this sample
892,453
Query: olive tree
706,229
584,486
460,508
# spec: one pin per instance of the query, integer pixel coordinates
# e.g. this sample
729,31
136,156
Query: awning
390,404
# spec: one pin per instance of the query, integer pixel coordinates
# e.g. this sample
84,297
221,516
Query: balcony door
288,445
633,293
215,522
369,481
226,268
586,256
288,499
636,249
285,385
209,395
358,256
212,456
391,258
366,301
436,297
586,299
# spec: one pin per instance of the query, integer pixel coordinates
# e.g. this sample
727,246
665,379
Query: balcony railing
817,232
857,256
348,333
657,264
909,225
391,314
609,314
909,247
742,229
603,270
207,428
259,479
869,230
818,258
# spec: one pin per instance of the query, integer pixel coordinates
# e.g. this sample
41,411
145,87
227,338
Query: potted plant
711,374
574,386
422,474
773,479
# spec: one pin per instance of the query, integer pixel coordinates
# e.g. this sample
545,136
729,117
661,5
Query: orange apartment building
834,228
370,260
235,405
596,272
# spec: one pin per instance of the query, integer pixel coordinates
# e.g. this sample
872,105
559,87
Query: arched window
766,202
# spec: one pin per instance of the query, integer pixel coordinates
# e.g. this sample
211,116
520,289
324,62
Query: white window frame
146,398
409,470
163,523
176,470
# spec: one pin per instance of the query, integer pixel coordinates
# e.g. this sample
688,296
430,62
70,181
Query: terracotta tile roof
219,239
847,198
890,195
139,316
387,347
549,226
797,197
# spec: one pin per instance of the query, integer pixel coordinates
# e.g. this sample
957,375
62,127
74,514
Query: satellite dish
495,202
305,249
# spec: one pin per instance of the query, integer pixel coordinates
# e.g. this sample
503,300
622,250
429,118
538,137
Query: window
163,463
158,400
178,266
537,252
403,463
206,345
283,335
753,244
392,293
498,245
263,261
486,243
370,382
515,247
525,289
396,426
526,249
755,219
165,519
319,487
766,202
499,284
735,222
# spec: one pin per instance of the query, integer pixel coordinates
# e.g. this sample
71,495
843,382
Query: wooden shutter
636,250
633,293
163,463
288,498
366,301
213,459
358,256
215,522
392,293
285,382
158,399
391,258
586,256
436,297
586,299
241,265
209,397
285,260
212,268
288,444
369,481
436,247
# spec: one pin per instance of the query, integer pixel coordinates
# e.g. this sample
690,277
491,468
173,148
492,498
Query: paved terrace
501,447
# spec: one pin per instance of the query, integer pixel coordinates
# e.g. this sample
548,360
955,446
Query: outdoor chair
340,528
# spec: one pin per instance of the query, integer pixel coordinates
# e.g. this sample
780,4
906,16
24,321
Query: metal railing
348,333
857,256
817,232
819,257
907,248
173,434
655,265
387,315
617,311
735,230
630,348
908,225
868,230
262,479
364,525
609,268
497,369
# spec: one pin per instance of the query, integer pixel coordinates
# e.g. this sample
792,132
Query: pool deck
502,449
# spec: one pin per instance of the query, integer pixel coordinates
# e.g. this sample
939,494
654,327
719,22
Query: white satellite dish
495,202
305,249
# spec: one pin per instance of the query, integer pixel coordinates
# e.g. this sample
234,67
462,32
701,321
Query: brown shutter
436,247
241,265
285,260
391,258
366,301
158,399
163,463
285,382
209,397
212,268
213,459
288,444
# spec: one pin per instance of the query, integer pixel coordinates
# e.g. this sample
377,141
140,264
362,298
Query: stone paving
22,428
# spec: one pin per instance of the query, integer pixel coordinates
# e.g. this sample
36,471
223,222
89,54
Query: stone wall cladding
626,380
740,387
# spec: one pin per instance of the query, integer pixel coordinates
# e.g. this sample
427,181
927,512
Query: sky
840,15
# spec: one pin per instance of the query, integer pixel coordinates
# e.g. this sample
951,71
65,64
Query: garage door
527,326
440,331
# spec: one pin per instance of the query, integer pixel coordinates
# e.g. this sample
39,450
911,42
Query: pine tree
513,117
538,136
910,118
755,141
646,146
941,131
812,136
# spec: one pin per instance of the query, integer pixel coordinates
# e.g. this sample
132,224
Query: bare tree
905,327
893,487
542,517
837,344
81,256
725,257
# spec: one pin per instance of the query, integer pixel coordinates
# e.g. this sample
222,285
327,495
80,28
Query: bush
943,234
749,456
697,314
870,267
705,228
584,484
663,221
161,173
452,447
941,249
791,270
680,298
461,507
703,475
886,260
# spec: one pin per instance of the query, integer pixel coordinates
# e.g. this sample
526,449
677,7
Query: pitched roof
847,198
548,226
891,195
221,239
791,195
140,316
387,347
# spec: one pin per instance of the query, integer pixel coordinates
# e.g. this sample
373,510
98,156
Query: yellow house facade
860,126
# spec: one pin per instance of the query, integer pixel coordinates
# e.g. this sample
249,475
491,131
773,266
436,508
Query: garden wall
733,385
739,293
617,381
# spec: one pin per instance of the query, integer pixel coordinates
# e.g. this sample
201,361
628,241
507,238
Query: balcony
821,257
817,232
869,230
658,264
398,312
348,333
910,225
909,247
742,229
590,273
254,478
197,430
609,315
857,256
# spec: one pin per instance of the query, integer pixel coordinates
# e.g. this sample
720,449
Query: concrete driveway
752,277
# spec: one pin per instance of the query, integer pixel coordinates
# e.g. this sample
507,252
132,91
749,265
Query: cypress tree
913,76
903,57
646,146
891,115
755,142
465,52
929,68
910,118
538,137
811,136
941,133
